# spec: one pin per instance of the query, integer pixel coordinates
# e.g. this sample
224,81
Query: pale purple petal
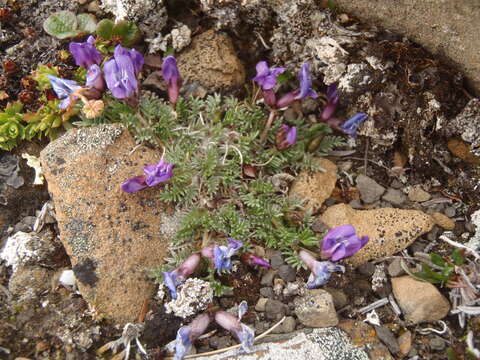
292,136
85,54
156,174
135,57
254,260
170,71
134,184
242,309
351,126
246,336
267,77
183,345
342,242
189,265
305,83
321,272
95,78
171,281
63,87
234,243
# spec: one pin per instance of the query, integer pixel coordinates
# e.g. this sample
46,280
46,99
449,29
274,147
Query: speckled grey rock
316,309
312,344
275,310
370,190
390,230
113,238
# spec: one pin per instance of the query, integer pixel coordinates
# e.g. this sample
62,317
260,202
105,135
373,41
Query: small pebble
261,304
275,310
276,260
437,343
387,337
443,221
395,268
267,278
287,273
417,194
366,269
266,292
394,196
450,211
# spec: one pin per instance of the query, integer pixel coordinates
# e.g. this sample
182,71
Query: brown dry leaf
463,151
399,159
250,171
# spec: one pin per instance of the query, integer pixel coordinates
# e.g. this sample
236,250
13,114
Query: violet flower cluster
153,175
338,243
267,79
221,257
187,335
119,73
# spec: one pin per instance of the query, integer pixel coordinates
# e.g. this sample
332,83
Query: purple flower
320,270
173,278
186,335
305,83
221,254
95,78
134,55
286,137
254,260
121,72
301,93
332,102
266,76
154,175
171,75
64,89
342,242
159,173
229,322
350,126
85,54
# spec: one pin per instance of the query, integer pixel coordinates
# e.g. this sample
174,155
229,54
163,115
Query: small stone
261,326
261,304
267,278
318,226
396,184
287,273
266,292
278,285
417,194
394,196
316,309
370,190
395,268
366,269
356,204
433,234
443,221
420,301
275,310
338,296
314,187
437,343
287,326
405,342
94,7
390,230
387,337
276,260
82,2
450,211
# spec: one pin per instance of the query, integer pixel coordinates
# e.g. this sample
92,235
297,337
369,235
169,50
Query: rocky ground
409,182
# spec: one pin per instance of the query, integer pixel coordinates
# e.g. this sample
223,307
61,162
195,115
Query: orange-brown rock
314,187
211,61
113,238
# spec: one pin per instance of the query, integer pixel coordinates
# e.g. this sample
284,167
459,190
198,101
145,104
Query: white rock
193,296
474,242
34,162
67,278
21,248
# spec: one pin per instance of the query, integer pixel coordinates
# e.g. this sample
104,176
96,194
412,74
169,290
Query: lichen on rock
194,296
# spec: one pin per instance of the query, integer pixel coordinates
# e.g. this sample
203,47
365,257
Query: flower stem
270,119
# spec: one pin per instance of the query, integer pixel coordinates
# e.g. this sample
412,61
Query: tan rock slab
211,60
113,238
417,194
390,230
420,301
443,221
314,187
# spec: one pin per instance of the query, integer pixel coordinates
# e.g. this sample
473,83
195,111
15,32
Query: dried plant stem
268,125
219,351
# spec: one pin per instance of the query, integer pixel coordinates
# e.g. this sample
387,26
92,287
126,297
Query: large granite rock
112,237
445,28
390,230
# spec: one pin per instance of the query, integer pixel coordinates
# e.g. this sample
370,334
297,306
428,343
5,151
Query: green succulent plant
40,76
11,129
65,24
126,32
